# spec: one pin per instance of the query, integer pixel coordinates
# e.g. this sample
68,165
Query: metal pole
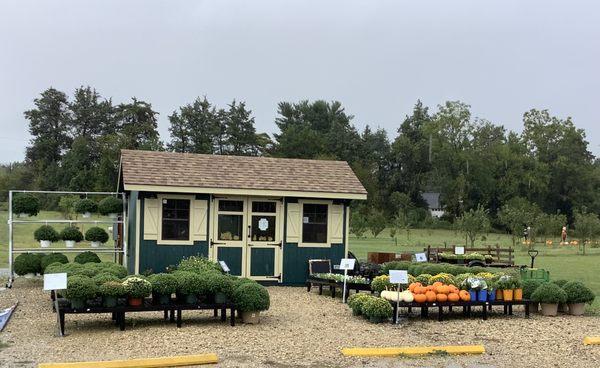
344,291
125,234
10,240
57,312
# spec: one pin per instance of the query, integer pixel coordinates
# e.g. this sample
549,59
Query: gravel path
300,330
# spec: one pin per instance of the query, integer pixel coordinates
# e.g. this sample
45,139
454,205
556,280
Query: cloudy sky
376,57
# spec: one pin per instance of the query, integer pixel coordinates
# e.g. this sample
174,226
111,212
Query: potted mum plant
79,289
163,285
46,234
96,235
377,309
529,286
27,265
136,289
110,292
221,287
71,235
25,205
110,206
189,285
251,299
506,284
578,295
356,302
518,289
549,295
86,207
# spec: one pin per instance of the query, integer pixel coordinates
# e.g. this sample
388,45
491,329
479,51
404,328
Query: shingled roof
219,173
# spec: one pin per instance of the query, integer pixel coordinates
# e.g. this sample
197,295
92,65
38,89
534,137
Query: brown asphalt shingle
238,172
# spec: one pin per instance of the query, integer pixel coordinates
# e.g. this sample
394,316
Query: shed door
264,239
230,233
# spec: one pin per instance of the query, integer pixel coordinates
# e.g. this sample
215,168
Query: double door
246,234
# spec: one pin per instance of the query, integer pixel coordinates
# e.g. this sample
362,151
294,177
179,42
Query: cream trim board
160,240
301,203
244,192
347,235
138,234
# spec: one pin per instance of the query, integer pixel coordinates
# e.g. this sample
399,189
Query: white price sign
224,266
55,281
347,263
459,250
399,276
421,257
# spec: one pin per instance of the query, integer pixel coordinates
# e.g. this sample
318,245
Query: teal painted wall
158,257
295,260
131,230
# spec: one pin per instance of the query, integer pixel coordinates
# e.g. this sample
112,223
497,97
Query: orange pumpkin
453,297
420,298
431,296
443,289
453,289
441,297
420,290
413,286
430,288
464,295
437,284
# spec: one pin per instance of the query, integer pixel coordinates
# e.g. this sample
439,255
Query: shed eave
243,192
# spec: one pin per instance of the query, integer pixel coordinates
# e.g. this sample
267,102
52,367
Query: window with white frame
175,219
314,223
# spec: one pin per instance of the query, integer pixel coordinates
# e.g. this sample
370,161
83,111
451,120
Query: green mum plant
85,206
137,287
96,234
104,277
71,233
381,283
46,232
356,302
377,309
549,293
112,289
189,283
27,263
81,288
198,264
51,258
87,257
529,286
26,204
110,205
251,297
577,292
163,283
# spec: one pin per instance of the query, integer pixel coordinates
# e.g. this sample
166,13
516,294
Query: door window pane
175,219
263,228
230,227
231,206
314,223
267,207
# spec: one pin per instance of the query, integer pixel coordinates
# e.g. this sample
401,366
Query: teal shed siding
157,257
295,260
131,231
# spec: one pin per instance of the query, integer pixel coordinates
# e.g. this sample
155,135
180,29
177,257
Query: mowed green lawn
563,262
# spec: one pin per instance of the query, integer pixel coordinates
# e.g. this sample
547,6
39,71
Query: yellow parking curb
414,350
177,361
591,340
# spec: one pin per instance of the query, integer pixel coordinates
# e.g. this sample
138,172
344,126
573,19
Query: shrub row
558,291
47,232
373,308
25,203
37,263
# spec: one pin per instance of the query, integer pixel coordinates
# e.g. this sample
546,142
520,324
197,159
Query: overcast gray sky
376,57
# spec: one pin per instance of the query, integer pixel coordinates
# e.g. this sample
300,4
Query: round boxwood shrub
27,263
96,234
81,288
356,302
113,268
46,232
110,205
48,259
529,286
189,283
251,297
86,257
219,283
24,203
103,277
163,283
381,283
112,289
85,205
560,282
577,292
69,268
549,293
377,309
137,287
71,233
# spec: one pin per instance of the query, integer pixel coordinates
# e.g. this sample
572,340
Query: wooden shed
265,217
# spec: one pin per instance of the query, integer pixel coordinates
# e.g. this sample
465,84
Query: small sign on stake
399,277
347,263
459,250
420,257
55,282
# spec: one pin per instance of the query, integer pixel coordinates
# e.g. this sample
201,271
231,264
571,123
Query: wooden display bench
170,310
467,307
333,285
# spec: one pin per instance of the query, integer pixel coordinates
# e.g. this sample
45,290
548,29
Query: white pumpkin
407,296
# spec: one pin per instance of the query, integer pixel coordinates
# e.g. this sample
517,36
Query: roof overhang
244,192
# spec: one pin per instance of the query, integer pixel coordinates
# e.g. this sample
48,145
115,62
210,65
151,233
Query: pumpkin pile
437,292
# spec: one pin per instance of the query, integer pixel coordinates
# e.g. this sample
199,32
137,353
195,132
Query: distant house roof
242,175
432,199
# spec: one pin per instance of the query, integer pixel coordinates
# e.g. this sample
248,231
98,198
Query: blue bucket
473,295
482,296
491,295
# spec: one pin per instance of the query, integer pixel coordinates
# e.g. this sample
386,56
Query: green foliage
577,292
66,204
381,283
68,268
358,224
113,268
71,233
549,293
163,283
189,283
395,265
96,234
110,205
251,297
81,287
560,282
529,286
516,214
444,278
46,232
103,277
377,308
376,222
48,259
25,203
219,283
137,287
474,222
86,205
424,278
112,288
27,263
356,302
86,257
198,264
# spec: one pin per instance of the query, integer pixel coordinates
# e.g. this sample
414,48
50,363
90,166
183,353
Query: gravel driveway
300,330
